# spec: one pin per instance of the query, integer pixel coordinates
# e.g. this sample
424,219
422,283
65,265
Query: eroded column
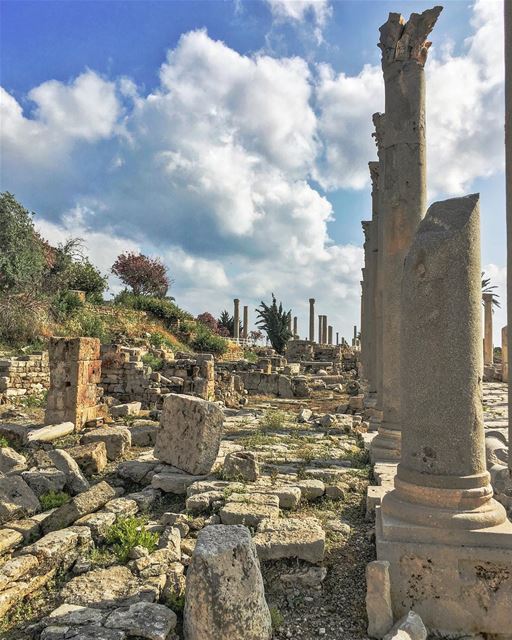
295,332
324,329
488,347
311,319
329,334
236,319
403,199
245,330
504,353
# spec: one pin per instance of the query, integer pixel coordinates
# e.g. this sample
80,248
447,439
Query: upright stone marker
75,371
246,323
447,540
404,49
236,319
225,598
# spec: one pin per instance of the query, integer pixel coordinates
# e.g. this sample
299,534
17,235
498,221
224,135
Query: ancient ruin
255,475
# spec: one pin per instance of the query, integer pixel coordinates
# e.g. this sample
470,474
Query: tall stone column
295,332
337,338
504,353
403,200
508,162
236,319
372,298
440,528
488,345
329,334
324,329
311,319
245,328
320,329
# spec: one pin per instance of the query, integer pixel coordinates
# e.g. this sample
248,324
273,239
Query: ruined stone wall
274,384
128,379
24,376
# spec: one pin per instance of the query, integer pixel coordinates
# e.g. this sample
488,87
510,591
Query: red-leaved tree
207,319
145,276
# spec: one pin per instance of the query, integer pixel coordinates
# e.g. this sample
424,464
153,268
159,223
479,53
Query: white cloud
298,11
213,169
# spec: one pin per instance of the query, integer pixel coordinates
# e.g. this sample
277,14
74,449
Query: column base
458,581
386,445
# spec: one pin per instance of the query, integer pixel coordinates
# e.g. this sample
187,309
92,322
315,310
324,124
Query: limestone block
82,504
51,432
72,614
128,409
106,588
175,482
190,433
290,538
16,499
75,480
249,509
11,461
44,480
98,523
122,507
9,539
52,549
145,620
374,495
117,440
378,598
225,598
241,465
91,458
158,563
410,627
201,502
144,435
16,568
311,489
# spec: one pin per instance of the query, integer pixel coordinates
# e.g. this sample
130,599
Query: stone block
17,499
9,540
378,599
127,409
11,461
75,480
117,440
51,432
241,465
225,598
190,433
44,480
249,509
178,482
144,435
81,505
91,458
290,538
144,619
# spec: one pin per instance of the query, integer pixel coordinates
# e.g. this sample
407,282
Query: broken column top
402,41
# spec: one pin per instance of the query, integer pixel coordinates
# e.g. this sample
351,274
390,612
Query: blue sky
232,138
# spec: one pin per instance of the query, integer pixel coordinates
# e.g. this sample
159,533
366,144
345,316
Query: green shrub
273,419
152,361
23,319
162,308
93,326
53,499
207,342
83,276
66,304
128,532
250,356
4,442
277,618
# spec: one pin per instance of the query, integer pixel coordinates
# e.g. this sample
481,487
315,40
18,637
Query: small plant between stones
129,532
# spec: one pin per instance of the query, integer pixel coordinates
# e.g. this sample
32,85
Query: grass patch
175,602
127,533
4,442
273,419
53,499
277,618
152,361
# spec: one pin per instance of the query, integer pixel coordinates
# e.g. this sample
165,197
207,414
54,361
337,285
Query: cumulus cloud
217,168
298,11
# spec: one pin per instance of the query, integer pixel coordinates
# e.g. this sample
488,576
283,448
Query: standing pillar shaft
404,52
324,329
320,328
508,160
504,353
246,322
236,319
488,346
295,326
311,319
373,312
329,335
442,479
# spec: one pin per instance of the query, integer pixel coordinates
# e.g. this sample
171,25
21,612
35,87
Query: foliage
205,341
226,325
159,340
84,276
162,308
22,258
66,304
144,275
487,287
88,323
175,601
255,336
250,356
275,322
129,532
276,618
152,361
3,442
273,419
208,320
24,318
53,499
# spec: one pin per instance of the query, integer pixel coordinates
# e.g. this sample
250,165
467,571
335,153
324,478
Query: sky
232,138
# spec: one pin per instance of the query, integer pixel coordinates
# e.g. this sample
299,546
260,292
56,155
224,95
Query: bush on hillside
144,275
205,341
161,308
83,276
